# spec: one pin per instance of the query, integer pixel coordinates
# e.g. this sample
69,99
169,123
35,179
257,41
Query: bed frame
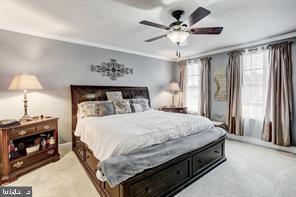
164,180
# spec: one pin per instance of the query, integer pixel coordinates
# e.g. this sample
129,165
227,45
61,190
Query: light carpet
249,171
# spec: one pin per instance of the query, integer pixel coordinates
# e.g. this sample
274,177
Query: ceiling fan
179,31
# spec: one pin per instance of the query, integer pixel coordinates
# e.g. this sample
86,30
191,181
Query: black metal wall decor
112,69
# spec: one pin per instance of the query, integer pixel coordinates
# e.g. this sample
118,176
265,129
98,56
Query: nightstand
220,124
175,109
19,148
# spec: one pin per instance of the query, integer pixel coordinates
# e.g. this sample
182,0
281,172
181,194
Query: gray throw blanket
119,168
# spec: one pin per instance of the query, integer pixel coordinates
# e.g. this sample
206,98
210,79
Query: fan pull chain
178,52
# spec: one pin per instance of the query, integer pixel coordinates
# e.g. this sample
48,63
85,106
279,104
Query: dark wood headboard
82,93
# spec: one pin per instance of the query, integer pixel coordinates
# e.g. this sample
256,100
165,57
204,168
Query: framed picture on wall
220,84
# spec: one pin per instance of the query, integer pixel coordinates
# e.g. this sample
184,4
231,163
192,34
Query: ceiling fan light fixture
178,37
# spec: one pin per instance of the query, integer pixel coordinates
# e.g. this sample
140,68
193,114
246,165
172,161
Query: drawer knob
50,152
216,151
200,160
18,164
22,132
148,190
178,172
46,126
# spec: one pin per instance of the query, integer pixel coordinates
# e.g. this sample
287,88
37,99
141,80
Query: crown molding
83,42
241,46
108,47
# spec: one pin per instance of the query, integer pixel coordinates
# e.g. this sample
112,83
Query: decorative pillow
87,109
95,109
106,108
113,96
136,107
122,106
143,102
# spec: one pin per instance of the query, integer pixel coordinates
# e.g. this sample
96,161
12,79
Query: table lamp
174,89
25,82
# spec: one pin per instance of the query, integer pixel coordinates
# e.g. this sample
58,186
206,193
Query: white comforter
119,134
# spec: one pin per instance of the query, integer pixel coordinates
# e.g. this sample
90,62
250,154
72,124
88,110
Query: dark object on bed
164,180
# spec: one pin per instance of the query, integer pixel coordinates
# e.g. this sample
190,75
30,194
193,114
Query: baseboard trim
251,140
65,145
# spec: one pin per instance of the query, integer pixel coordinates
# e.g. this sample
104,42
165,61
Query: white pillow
143,102
114,96
136,107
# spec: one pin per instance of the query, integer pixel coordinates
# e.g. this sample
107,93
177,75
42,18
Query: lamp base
25,118
173,100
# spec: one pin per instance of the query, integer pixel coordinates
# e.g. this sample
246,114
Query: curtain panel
205,98
234,75
183,81
278,112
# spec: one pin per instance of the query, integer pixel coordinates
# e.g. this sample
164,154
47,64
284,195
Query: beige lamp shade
174,87
25,82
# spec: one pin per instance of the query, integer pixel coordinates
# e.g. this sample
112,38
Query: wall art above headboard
112,69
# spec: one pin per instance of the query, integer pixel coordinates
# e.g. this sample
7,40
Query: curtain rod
256,48
236,51
196,59
270,45
206,58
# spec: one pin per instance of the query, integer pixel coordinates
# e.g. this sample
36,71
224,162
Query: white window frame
254,61
193,86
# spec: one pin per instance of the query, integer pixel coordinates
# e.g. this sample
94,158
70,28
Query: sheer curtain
254,91
193,87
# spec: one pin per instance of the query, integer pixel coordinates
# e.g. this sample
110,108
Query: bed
165,179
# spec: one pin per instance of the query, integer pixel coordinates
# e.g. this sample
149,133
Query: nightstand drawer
21,132
47,126
30,159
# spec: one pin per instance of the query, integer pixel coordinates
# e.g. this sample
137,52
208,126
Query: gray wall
218,107
58,64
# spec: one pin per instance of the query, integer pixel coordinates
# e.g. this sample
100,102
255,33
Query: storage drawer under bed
162,181
206,157
91,161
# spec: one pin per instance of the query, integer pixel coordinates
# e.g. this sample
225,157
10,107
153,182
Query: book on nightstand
8,123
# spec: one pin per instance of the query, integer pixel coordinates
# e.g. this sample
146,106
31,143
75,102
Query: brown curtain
234,75
278,112
183,81
205,87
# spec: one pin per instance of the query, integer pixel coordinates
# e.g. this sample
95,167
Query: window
193,86
255,74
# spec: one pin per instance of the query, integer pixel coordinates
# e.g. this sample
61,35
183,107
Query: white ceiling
114,24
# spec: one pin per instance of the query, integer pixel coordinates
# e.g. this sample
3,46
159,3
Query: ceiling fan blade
207,30
196,16
144,22
156,38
